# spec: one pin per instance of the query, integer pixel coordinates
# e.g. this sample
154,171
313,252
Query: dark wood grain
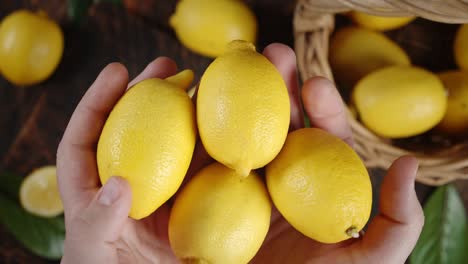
33,119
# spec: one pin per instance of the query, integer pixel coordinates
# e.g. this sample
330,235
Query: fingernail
110,192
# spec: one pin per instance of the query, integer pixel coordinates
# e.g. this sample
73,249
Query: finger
399,201
284,58
76,162
393,234
91,233
103,219
161,67
325,108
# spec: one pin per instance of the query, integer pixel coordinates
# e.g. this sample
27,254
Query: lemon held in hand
220,217
31,46
455,120
400,101
207,26
242,109
320,186
379,23
39,192
148,139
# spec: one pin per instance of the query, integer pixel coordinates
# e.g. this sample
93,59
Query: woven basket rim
313,25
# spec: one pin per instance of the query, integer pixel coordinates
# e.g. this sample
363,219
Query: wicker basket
313,24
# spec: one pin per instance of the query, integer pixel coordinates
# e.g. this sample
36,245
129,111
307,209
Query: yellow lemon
220,217
39,193
31,46
356,52
149,138
379,23
461,47
352,111
400,101
455,120
242,109
320,186
207,26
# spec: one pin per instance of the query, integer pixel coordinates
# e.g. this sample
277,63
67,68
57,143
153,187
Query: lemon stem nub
243,172
41,13
173,21
182,79
352,232
191,91
240,45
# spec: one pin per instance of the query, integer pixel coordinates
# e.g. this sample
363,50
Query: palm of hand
389,239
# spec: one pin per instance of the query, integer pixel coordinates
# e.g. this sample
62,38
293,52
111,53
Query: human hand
99,232
98,229
391,235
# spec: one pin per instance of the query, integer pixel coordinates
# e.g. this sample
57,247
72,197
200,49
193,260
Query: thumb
101,223
393,233
108,211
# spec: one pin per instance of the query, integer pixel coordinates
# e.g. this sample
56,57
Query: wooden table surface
33,119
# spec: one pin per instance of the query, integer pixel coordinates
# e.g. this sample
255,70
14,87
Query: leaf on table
43,236
10,185
77,9
108,1
444,238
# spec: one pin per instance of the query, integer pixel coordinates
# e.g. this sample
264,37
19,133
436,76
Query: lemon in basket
461,47
207,26
379,23
400,101
39,193
356,52
455,120
320,186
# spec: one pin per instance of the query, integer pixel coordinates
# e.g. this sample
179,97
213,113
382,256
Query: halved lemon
39,193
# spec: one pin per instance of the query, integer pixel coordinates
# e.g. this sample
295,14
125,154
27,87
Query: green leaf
444,238
77,9
10,185
118,2
306,120
43,236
